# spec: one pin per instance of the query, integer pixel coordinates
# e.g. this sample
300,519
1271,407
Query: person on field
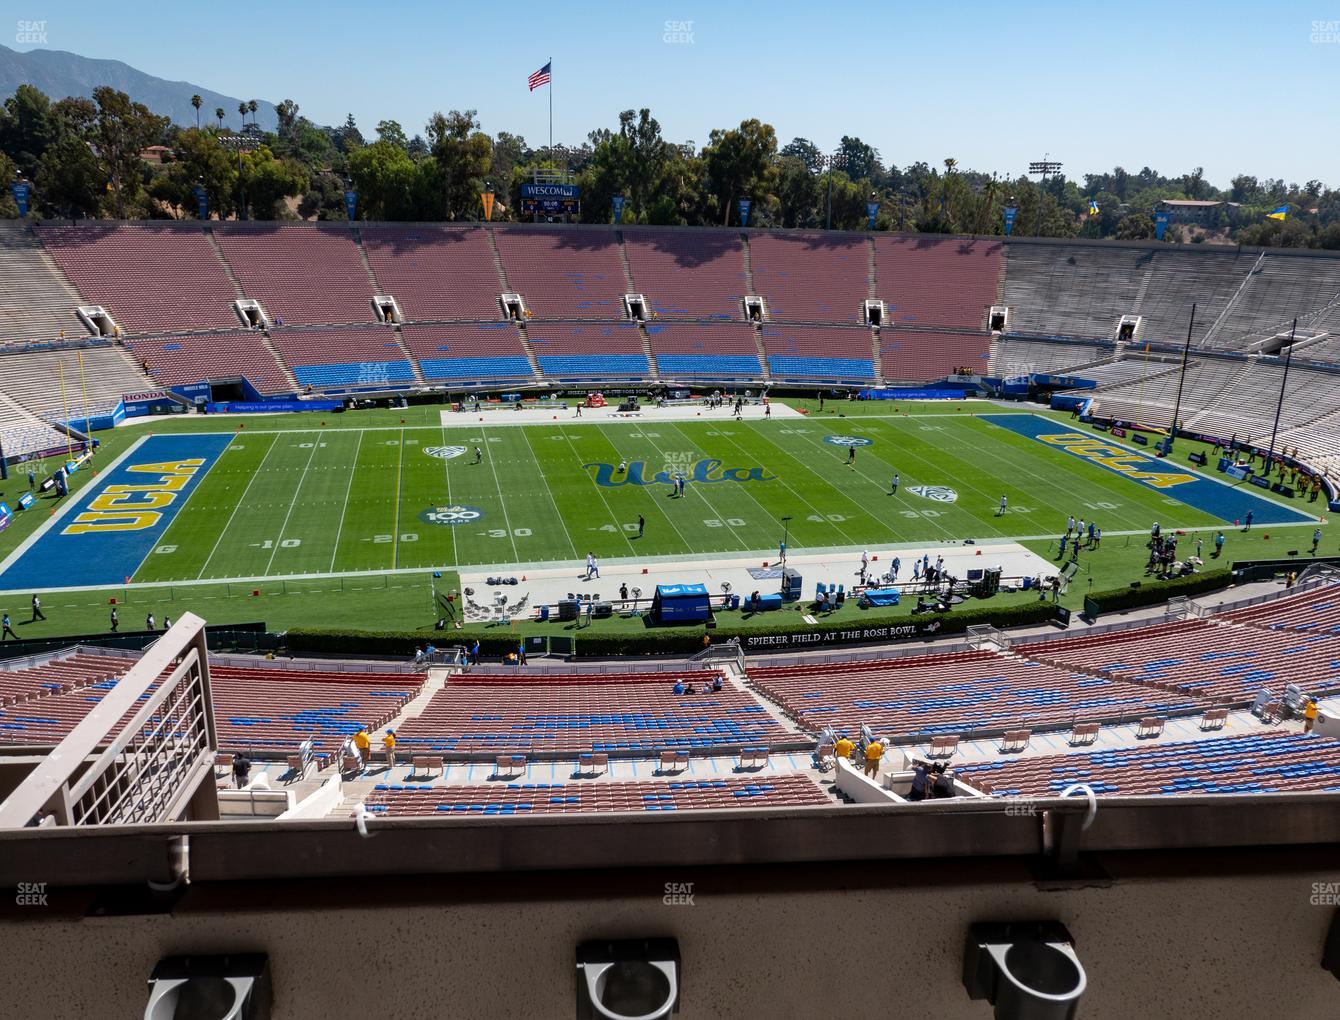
641,525
851,456
479,455
894,489
1004,505
592,567
37,610
116,623
8,628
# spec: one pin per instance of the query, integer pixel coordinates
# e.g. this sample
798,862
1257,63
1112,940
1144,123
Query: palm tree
252,107
950,165
218,112
196,101
242,109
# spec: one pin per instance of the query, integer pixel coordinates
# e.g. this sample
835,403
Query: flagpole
551,107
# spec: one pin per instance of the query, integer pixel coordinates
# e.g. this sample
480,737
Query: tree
324,199
1135,227
197,101
268,181
242,109
862,160
740,164
218,113
646,154
252,105
385,177
462,156
798,193
286,113
392,133
806,151
123,130
26,127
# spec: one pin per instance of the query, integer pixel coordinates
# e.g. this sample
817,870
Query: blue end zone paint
55,559
1226,502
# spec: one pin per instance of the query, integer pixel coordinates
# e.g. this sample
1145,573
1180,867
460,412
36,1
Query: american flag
540,77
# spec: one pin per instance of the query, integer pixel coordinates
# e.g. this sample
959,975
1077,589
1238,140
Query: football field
295,500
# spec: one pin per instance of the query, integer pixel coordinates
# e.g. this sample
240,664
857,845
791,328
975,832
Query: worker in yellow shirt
1309,715
388,742
362,744
874,751
842,749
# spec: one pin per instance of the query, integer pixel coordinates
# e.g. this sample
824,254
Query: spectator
943,785
920,782
388,742
717,684
689,688
363,745
241,770
679,687
874,751
843,749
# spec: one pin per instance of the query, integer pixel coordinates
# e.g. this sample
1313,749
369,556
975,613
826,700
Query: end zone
102,536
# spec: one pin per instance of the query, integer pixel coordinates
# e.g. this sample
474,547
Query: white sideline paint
494,415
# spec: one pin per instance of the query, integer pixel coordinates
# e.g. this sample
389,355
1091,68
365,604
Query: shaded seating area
299,273
1256,763
785,790
937,281
688,274
564,274
435,272
811,277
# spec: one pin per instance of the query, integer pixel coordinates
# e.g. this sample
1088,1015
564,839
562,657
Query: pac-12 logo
444,452
848,441
939,493
451,515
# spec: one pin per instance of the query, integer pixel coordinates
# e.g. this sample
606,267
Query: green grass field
318,502
293,498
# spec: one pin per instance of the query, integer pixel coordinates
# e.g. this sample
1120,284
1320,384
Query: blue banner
1010,213
269,406
26,500
201,202
744,211
351,204
871,211
21,191
913,394
618,208
1160,224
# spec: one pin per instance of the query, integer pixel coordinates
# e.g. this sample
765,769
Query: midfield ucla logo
704,471
939,493
444,452
451,515
848,441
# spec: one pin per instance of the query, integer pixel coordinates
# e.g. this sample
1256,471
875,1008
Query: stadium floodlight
827,161
1043,167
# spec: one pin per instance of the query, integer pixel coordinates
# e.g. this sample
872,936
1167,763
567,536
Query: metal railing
150,767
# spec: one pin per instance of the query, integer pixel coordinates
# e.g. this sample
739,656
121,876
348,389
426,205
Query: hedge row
1151,593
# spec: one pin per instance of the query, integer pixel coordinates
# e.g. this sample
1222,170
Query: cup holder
1028,971
637,979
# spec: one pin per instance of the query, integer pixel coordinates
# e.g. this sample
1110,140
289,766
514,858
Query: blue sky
1232,86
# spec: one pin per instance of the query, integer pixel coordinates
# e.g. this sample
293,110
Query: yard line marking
697,491
747,492
446,474
395,533
525,434
238,506
599,492
344,509
497,486
292,502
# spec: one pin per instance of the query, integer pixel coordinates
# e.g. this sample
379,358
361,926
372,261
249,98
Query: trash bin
544,614
735,602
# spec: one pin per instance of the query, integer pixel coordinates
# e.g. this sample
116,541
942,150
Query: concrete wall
1233,936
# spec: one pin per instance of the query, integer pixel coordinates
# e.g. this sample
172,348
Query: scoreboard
551,199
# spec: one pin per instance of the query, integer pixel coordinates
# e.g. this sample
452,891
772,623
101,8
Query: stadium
374,589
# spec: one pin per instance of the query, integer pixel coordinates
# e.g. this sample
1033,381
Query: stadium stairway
223,261
530,351
413,361
268,343
874,355
653,369
762,351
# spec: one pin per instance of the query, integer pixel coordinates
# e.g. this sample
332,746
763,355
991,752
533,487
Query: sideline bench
590,764
509,764
753,758
1084,733
944,746
674,761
